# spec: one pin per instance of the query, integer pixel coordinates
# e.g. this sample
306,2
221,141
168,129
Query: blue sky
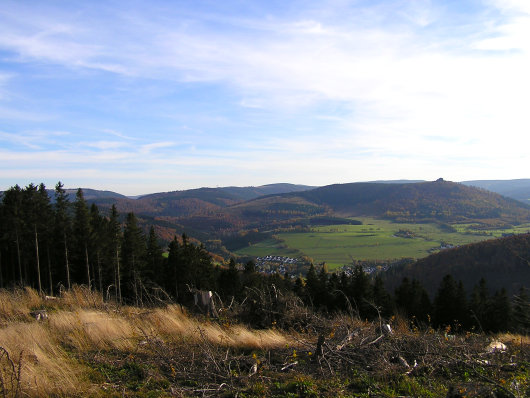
140,97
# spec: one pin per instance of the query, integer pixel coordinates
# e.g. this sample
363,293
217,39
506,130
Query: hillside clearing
89,348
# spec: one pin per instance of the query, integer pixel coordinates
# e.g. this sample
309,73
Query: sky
139,97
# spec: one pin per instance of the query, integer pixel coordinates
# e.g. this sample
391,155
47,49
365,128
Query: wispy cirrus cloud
33,139
354,87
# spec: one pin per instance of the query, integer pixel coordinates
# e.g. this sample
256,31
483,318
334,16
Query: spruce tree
12,204
311,286
361,290
45,230
97,244
113,250
499,312
413,301
154,266
462,309
62,233
450,306
322,296
229,281
403,297
521,312
134,252
478,305
172,268
81,239
380,296
37,215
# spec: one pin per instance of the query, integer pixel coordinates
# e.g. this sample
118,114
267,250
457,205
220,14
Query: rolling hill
209,213
92,194
219,214
202,213
439,200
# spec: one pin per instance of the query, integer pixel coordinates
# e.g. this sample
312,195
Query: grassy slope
87,348
269,246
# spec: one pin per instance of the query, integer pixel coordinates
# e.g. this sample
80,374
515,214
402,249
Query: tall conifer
82,238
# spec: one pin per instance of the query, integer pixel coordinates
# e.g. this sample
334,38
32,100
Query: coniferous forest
52,244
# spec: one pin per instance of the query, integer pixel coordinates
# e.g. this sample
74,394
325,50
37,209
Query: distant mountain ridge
197,211
240,206
92,194
438,200
517,189
229,194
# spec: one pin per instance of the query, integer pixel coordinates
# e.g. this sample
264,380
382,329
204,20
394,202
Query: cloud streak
341,86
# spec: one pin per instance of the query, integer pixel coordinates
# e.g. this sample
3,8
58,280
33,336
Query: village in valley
272,264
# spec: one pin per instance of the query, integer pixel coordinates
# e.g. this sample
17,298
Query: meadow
374,240
269,246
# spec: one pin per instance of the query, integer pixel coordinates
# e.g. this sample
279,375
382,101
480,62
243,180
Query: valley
375,240
295,220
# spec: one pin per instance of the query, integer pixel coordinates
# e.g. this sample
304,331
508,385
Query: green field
374,240
269,246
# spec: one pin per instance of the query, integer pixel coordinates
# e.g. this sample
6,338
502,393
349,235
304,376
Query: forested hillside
439,200
504,263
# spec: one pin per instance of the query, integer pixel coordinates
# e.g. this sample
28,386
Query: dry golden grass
54,354
514,339
172,324
15,304
80,322
81,297
45,367
85,330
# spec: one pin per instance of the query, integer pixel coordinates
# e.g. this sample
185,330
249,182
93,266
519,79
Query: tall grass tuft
80,323
15,304
82,297
45,369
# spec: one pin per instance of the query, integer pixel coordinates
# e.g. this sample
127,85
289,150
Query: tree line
54,244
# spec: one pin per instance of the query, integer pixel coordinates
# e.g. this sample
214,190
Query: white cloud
118,134
104,145
156,145
512,6
389,82
33,139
